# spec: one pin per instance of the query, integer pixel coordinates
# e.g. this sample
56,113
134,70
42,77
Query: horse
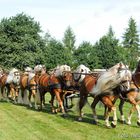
132,96
78,75
55,83
100,87
10,81
29,81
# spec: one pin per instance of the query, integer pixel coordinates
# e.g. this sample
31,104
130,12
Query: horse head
40,69
67,78
28,70
80,73
125,75
13,77
63,72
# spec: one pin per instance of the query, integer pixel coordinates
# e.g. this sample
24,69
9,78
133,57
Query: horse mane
110,79
11,75
12,71
40,69
78,72
58,71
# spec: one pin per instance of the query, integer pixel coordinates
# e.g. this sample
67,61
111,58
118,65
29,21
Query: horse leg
121,110
16,95
29,98
20,96
2,92
111,107
134,107
41,98
105,111
57,93
93,106
130,114
8,92
35,92
52,102
138,111
107,118
82,101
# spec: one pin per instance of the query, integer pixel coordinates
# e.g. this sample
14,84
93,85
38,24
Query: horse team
118,82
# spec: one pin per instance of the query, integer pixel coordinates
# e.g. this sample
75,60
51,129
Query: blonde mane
60,69
78,72
111,78
12,77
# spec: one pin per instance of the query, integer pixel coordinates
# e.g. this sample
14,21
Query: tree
54,53
107,49
86,54
131,43
20,42
69,45
69,39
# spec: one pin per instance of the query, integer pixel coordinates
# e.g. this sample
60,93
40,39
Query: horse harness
123,93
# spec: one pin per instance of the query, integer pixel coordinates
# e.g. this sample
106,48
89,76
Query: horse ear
120,64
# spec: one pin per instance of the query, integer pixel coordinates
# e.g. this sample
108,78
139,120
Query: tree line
22,45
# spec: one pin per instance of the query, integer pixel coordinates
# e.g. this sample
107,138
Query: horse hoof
64,115
138,123
113,125
109,127
95,122
79,119
123,122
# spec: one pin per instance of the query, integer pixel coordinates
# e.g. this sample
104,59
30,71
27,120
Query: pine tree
69,45
107,49
131,43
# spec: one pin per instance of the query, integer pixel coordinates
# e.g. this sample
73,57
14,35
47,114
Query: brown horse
9,84
102,89
29,81
56,85
132,96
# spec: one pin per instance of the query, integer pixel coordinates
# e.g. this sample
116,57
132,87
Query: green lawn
22,123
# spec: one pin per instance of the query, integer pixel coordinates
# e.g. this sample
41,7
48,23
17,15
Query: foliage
20,41
86,54
131,43
55,54
107,49
69,39
22,45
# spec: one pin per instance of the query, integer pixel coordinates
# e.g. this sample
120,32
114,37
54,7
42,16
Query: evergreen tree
107,49
69,39
69,45
131,43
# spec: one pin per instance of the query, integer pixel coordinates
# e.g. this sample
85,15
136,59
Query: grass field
22,123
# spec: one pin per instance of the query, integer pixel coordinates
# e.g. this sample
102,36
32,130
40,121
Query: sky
89,19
